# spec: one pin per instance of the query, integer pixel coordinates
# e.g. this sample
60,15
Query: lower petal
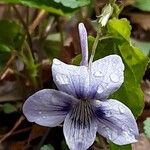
48,107
80,127
116,122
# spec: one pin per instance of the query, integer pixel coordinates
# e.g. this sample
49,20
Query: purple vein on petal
84,44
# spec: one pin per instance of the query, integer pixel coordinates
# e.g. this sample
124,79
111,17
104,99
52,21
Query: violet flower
82,101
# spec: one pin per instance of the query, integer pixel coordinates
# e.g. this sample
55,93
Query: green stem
99,34
30,57
94,47
34,81
30,65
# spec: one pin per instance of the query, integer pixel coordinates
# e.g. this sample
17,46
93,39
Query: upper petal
48,107
80,127
71,79
116,122
107,76
84,44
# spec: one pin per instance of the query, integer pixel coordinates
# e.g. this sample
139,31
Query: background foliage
33,32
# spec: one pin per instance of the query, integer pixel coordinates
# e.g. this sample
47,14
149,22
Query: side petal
84,44
80,127
48,107
71,79
107,76
116,122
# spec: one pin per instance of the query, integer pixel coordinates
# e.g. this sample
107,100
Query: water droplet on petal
121,110
125,127
62,79
98,74
114,135
108,133
40,112
129,136
108,113
114,77
100,89
44,117
107,86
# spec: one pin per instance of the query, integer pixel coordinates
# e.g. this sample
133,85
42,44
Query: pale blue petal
107,76
80,127
71,79
116,122
84,44
48,107
104,77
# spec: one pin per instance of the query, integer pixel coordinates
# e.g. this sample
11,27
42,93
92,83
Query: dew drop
114,77
44,117
108,114
62,79
98,74
100,89
106,129
129,136
114,135
107,86
125,127
40,112
121,110
108,133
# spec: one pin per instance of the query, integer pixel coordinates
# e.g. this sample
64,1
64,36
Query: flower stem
30,63
95,46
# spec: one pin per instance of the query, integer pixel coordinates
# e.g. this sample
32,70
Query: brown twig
41,15
43,138
19,121
3,73
50,25
18,132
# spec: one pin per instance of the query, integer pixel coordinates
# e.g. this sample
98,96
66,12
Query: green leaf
52,48
47,5
9,108
142,45
4,49
11,38
76,60
117,147
142,4
120,28
73,3
64,145
147,127
135,63
11,35
47,147
5,53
